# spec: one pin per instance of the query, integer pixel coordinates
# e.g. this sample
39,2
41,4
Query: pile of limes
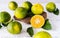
38,18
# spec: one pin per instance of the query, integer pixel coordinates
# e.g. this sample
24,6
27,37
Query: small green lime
51,7
14,27
37,9
4,17
27,5
20,13
12,5
42,34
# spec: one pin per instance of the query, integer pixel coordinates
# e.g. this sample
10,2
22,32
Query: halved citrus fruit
37,21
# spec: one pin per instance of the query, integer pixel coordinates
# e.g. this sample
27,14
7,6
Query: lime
14,27
20,13
37,9
4,17
27,5
42,34
12,5
51,7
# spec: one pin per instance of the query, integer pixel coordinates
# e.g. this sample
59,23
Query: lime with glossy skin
27,5
37,9
4,17
14,27
51,7
20,13
42,34
12,5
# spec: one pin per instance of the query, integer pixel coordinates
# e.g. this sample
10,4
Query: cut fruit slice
37,21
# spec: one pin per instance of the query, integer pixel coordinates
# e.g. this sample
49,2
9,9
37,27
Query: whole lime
4,17
14,27
27,5
37,9
20,13
42,34
12,5
51,7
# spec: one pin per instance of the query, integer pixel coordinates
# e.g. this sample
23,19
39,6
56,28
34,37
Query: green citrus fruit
20,13
27,5
14,27
12,5
42,34
37,9
51,7
4,17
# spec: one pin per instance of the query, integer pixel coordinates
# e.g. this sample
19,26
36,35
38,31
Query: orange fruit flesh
37,21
